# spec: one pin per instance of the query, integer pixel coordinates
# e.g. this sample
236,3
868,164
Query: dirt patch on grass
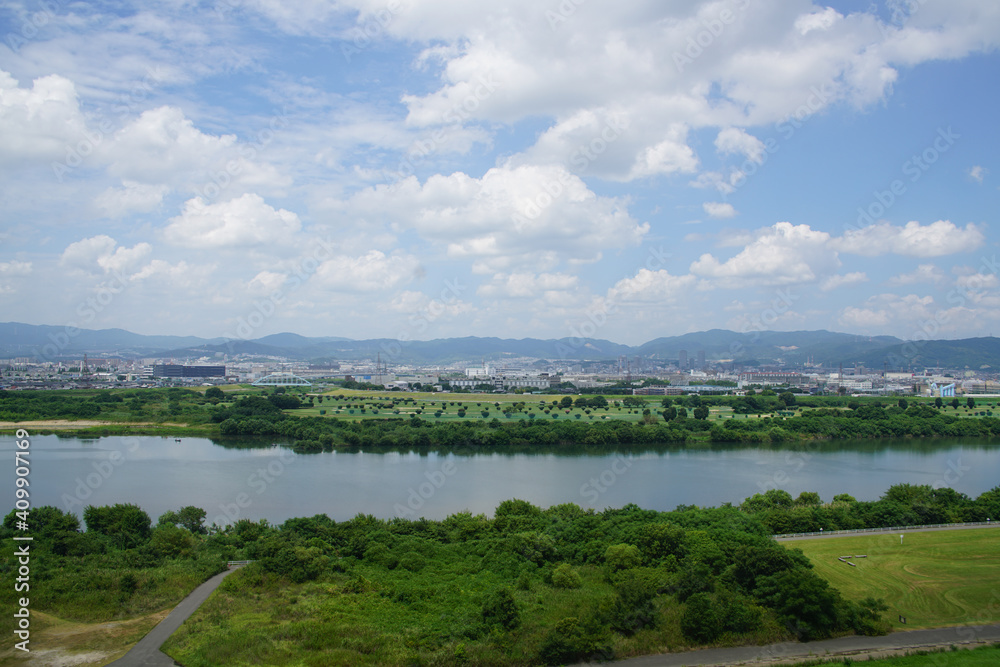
59,643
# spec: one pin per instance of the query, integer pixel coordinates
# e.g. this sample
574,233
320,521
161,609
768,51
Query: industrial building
179,371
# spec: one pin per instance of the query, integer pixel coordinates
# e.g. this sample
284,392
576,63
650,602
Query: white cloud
163,146
924,273
833,282
39,124
978,173
719,210
527,285
246,221
370,272
15,268
820,20
133,197
782,254
526,217
733,140
913,239
102,252
651,287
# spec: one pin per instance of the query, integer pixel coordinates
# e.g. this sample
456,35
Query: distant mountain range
790,347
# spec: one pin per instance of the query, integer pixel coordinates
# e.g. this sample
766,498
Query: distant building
178,371
772,377
701,359
682,359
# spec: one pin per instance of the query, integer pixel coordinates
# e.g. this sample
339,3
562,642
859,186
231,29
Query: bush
564,576
570,641
500,610
700,621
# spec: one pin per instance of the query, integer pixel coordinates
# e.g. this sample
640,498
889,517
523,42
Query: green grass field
934,579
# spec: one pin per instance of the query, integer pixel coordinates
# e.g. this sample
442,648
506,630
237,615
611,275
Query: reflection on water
260,478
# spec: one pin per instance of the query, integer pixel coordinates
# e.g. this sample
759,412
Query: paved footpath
887,532
147,652
828,648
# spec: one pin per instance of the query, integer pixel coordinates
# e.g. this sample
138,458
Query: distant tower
682,359
701,359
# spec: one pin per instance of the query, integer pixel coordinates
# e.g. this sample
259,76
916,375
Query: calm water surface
265,481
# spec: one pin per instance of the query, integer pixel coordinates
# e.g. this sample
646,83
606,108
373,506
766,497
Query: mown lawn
934,579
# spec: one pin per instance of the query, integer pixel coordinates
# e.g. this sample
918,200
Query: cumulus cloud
913,239
977,173
41,123
734,140
527,285
651,287
924,273
132,197
833,282
524,216
102,253
782,254
245,221
370,272
719,210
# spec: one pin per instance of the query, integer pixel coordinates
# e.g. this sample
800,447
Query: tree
667,402
126,524
500,610
938,402
700,622
701,412
682,413
787,398
902,403
215,392
190,517
955,403
970,403
808,499
670,414
566,402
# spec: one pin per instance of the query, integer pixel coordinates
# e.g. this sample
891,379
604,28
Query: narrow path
147,652
828,648
887,532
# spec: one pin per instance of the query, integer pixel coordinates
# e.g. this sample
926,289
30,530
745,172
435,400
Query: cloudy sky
429,168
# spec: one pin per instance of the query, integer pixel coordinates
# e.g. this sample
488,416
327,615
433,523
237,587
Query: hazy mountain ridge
792,347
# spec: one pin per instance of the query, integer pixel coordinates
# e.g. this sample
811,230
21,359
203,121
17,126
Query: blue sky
428,168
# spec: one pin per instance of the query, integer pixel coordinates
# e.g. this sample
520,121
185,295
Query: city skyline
434,169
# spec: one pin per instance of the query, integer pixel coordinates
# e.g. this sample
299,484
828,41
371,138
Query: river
260,480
